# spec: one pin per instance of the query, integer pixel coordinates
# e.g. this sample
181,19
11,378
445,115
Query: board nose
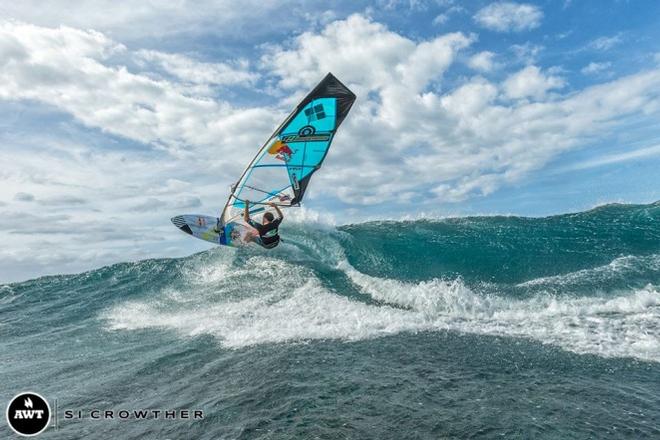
180,223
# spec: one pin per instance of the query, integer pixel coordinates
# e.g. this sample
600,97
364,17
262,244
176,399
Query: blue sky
115,117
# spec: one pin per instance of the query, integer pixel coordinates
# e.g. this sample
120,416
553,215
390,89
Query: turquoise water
482,327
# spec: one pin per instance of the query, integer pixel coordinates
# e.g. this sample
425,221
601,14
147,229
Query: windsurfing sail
282,169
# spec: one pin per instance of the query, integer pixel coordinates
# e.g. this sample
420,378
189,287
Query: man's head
268,217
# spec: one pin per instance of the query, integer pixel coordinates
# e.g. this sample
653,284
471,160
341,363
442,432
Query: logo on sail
281,151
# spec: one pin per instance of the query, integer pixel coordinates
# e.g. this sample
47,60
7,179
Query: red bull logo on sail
281,151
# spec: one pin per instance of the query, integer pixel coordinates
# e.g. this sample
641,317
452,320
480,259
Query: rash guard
268,233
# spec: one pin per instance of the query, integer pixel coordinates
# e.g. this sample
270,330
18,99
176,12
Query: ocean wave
621,326
620,269
263,299
280,302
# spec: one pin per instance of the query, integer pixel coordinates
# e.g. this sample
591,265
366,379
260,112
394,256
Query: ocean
476,327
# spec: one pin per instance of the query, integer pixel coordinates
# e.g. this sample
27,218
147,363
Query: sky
116,115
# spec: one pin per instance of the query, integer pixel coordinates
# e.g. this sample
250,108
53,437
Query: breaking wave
582,282
586,282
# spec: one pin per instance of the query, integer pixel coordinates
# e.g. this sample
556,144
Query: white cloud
70,69
470,98
153,203
509,16
483,61
593,68
156,19
93,188
605,43
460,131
402,4
527,53
610,159
63,200
530,82
443,18
389,56
23,197
196,72
82,213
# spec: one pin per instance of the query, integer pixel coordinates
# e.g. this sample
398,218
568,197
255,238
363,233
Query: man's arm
246,213
277,208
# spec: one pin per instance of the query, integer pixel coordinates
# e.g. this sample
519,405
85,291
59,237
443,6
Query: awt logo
28,414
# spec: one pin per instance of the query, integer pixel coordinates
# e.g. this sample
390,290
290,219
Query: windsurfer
266,233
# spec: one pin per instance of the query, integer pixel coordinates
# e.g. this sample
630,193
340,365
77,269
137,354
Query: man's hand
277,208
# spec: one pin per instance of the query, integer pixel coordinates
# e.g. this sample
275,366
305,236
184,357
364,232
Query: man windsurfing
282,169
265,234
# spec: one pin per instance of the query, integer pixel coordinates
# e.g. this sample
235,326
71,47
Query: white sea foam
621,266
309,312
620,326
281,302
269,300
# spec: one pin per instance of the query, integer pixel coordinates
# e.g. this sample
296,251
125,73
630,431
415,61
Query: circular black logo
28,414
307,130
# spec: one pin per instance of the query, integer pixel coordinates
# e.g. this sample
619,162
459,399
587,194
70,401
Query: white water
617,268
269,300
266,301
